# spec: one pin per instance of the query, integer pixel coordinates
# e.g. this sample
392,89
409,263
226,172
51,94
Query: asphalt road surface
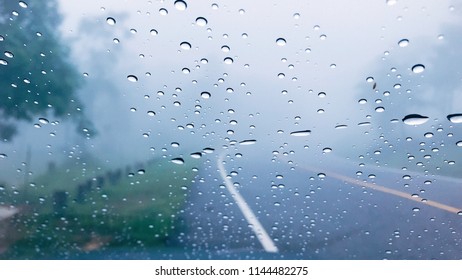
304,208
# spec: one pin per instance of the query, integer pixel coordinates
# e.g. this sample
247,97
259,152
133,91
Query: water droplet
23,4
321,175
200,21
3,62
418,68
391,2
281,42
111,21
362,101
327,150
153,32
416,209
341,126
9,54
205,95
403,43
459,144
151,113
185,70
225,48
208,150
296,16
141,171
380,109
228,60
248,142
196,155
132,78
3,156
180,5
163,12
178,161
301,133
185,45
455,118
415,119
43,120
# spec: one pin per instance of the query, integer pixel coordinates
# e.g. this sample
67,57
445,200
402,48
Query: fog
267,92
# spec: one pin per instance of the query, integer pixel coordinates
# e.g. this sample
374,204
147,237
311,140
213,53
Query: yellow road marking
383,189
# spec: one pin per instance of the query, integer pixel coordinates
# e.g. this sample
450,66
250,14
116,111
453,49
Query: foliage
37,78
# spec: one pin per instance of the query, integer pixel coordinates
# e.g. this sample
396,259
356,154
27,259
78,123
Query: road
320,209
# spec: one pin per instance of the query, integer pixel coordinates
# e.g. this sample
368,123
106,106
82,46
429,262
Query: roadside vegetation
78,208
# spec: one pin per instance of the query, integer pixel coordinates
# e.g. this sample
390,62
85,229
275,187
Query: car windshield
230,129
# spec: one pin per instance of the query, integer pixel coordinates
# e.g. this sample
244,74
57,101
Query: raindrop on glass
111,21
391,2
228,60
200,21
301,133
248,142
281,42
455,118
178,161
9,54
205,95
153,32
415,119
196,155
23,4
380,109
208,150
418,68
132,78
180,5
185,46
43,120
403,43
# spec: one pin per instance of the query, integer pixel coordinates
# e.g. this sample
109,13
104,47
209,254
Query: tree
36,77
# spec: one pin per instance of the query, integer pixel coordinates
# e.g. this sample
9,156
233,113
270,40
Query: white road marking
255,224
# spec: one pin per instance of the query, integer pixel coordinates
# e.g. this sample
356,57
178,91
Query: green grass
139,210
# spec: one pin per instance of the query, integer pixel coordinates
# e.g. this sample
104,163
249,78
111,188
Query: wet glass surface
230,129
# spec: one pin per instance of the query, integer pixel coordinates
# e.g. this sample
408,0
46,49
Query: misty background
267,92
